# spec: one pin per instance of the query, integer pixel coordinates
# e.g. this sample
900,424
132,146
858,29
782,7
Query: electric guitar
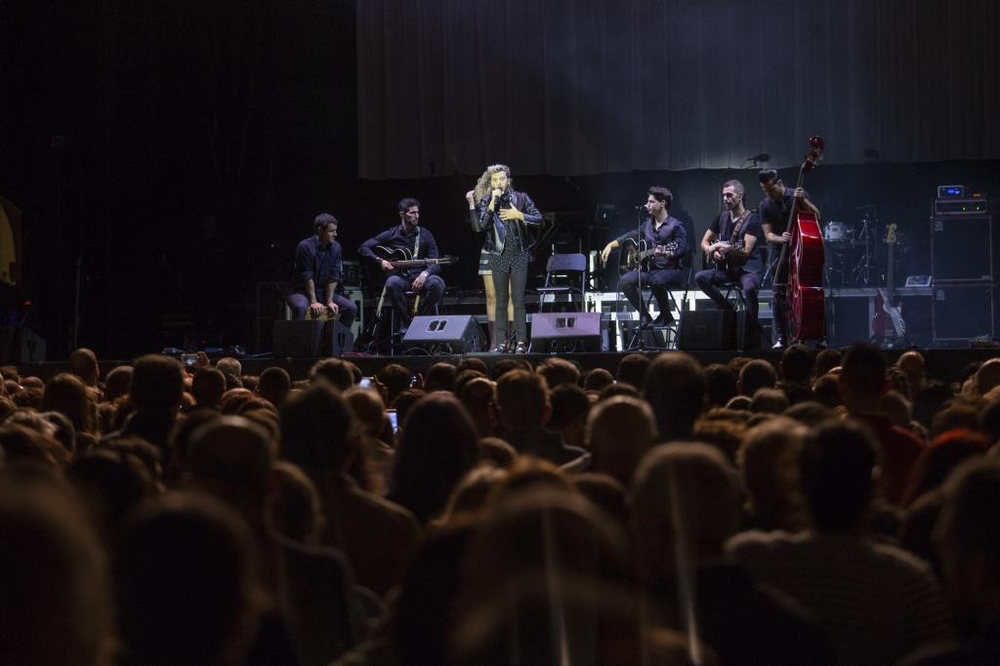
636,254
888,322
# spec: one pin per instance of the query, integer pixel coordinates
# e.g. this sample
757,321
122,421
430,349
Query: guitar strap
416,245
740,223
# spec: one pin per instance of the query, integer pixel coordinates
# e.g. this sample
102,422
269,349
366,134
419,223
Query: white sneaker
779,344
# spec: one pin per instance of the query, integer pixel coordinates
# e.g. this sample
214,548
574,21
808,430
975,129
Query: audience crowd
832,509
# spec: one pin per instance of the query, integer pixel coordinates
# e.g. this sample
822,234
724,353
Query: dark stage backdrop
575,87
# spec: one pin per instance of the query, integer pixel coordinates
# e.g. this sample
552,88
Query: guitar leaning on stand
888,325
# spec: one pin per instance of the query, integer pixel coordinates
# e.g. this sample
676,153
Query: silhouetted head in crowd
438,447
957,416
112,484
230,366
505,365
118,382
558,371
478,397
632,370
989,421
333,371
83,364
970,547
939,460
470,495
838,465
295,508
523,400
597,380
67,394
933,397
274,386
810,413
318,432
619,432
54,590
862,377
675,388
440,377
722,383
769,463
369,410
911,363
193,602
24,443
207,387
395,378
157,384
769,401
232,458
796,364
685,499
570,406
756,374
496,452
825,361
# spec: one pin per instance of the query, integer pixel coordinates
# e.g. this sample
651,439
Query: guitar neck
413,263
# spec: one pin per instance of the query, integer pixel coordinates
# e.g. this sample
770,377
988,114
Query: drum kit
855,252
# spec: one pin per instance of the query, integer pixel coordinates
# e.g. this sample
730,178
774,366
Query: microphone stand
637,343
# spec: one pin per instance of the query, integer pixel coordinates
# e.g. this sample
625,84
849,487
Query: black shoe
645,321
663,319
499,349
779,344
521,348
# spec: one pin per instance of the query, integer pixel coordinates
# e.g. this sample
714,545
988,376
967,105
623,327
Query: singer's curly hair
483,184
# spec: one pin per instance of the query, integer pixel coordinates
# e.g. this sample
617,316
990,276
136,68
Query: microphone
763,157
641,207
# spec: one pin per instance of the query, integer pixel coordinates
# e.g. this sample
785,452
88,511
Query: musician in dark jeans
318,267
775,210
732,243
665,240
405,241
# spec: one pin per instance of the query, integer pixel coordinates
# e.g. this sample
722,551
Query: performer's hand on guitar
606,252
386,265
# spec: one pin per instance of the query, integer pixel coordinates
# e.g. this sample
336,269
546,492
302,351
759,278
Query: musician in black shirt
664,239
775,210
731,242
407,240
318,268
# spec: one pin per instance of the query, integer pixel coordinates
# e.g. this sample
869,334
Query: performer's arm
802,197
772,237
367,249
470,197
617,243
681,238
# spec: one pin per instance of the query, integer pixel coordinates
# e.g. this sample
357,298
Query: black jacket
496,229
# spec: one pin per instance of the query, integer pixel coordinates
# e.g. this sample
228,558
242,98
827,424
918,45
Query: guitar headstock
890,234
815,154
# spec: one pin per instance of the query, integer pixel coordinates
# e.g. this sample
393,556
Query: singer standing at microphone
666,238
481,190
506,216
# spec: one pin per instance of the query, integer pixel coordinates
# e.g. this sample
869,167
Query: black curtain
574,87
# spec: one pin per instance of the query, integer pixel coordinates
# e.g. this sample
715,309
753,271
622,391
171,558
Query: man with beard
731,243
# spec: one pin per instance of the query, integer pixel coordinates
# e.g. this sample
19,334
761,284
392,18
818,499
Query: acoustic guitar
636,254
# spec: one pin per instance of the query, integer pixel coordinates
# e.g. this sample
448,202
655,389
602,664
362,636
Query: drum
837,232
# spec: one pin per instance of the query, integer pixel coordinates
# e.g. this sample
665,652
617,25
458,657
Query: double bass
804,289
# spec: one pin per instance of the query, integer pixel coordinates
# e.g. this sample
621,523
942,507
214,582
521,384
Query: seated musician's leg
750,285
299,303
348,309
432,292
629,284
395,289
706,281
661,282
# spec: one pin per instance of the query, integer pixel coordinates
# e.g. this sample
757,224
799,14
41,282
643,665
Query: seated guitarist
404,241
731,242
665,239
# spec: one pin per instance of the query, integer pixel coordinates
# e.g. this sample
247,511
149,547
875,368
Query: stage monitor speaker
459,332
707,329
311,339
565,332
962,311
961,248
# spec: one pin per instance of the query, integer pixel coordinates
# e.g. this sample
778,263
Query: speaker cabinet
459,332
962,311
311,339
707,329
565,332
961,248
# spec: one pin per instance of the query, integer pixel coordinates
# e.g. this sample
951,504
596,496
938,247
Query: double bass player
775,211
